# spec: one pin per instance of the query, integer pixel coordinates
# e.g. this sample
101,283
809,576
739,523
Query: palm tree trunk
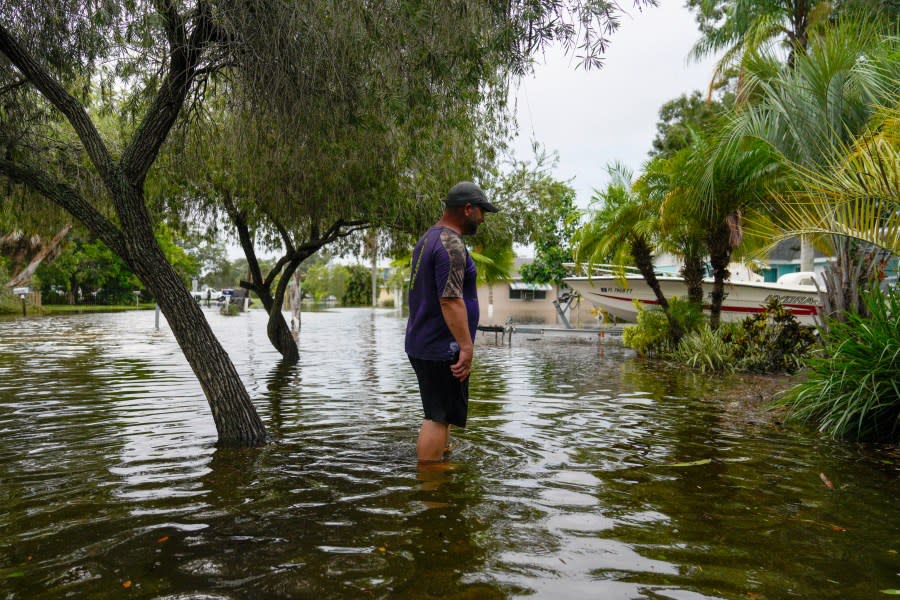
692,272
807,253
643,260
719,257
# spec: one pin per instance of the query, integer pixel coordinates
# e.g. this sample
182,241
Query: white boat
616,294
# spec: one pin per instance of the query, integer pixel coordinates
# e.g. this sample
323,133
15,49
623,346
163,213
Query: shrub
689,316
705,350
770,342
853,390
651,336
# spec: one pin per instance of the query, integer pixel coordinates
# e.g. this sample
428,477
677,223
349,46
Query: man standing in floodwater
443,317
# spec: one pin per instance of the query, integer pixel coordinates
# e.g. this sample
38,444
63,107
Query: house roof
788,250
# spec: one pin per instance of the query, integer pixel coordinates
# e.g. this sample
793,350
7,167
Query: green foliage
653,333
324,280
771,342
681,119
538,209
853,390
547,267
688,316
8,304
400,270
86,270
231,309
359,287
186,265
650,337
494,265
705,350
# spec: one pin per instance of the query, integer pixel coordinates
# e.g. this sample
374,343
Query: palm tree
663,178
859,196
811,114
746,30
856,202
749,26
722,182
623,231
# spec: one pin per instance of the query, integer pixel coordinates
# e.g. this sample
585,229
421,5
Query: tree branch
185,53
282,231
25,274
243,229
71,108
10,87
70,200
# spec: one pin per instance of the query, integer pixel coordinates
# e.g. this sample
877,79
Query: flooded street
584,473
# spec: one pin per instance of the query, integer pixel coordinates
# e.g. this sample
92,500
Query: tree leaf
693,463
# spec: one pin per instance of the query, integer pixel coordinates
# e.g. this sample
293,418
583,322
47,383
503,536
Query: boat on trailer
614,291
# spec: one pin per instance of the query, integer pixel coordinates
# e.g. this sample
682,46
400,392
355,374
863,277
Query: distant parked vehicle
210,295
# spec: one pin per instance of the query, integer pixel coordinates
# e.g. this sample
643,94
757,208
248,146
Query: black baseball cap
466,192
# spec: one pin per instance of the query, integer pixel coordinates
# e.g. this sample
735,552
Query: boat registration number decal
792,299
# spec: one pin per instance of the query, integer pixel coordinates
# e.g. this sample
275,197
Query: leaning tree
64,62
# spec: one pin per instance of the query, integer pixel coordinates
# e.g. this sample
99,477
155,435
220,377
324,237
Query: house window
527,294
528,291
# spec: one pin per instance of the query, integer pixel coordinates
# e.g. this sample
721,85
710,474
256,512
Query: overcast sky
594,117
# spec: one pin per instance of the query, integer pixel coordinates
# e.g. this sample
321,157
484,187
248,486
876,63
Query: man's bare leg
433,437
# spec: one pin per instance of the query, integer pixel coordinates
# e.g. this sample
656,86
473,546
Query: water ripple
583,473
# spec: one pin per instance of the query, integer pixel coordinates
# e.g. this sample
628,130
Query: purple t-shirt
441,268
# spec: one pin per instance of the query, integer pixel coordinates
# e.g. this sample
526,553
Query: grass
55,309
705,350
853,388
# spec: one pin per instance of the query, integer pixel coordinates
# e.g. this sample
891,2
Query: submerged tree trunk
132,237
235,417
277,329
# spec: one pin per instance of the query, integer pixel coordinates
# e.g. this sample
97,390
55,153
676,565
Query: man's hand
454,311
463,366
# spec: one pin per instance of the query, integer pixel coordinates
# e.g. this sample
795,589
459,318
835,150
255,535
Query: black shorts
444,397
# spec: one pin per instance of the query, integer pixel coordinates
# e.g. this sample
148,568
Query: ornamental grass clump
853,390
772,341
705,350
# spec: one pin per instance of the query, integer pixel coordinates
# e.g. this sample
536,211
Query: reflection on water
583,474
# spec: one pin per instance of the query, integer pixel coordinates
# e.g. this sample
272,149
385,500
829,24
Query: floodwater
584,473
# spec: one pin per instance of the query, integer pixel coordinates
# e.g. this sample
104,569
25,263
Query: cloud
592,118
